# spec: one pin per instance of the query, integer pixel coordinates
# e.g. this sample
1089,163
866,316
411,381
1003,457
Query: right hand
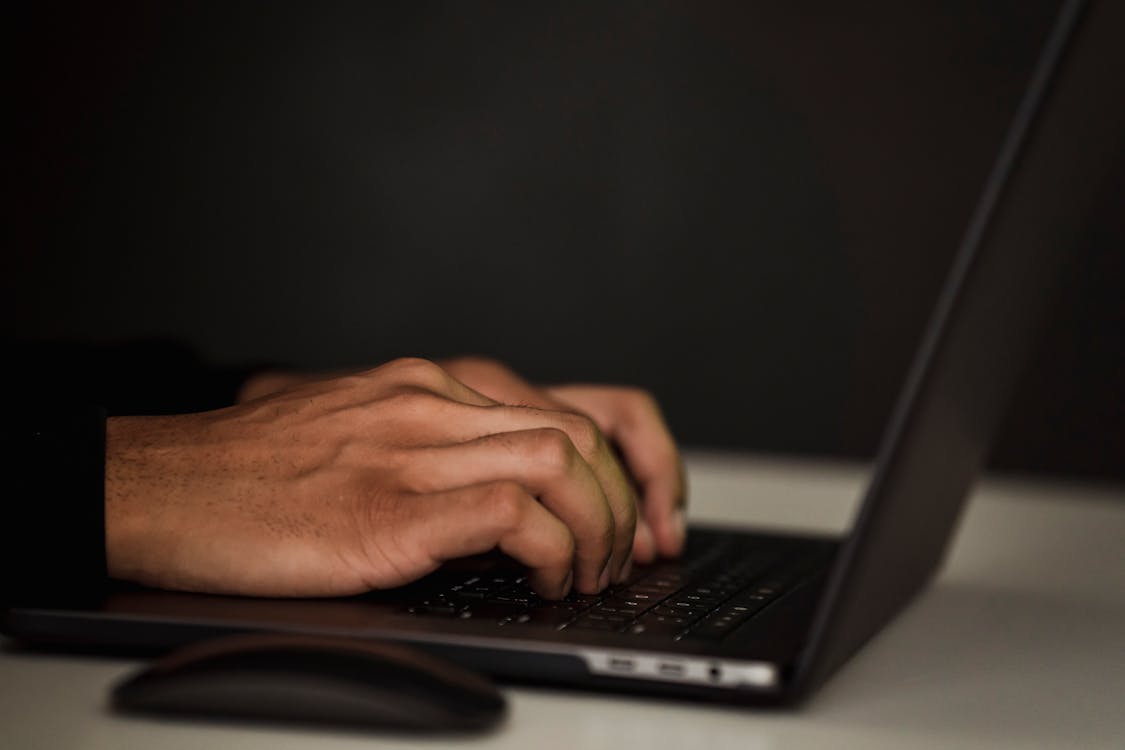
363,482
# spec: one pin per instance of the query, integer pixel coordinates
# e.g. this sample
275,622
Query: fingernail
603,580
679,525
567,584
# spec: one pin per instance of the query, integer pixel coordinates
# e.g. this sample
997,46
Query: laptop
747,617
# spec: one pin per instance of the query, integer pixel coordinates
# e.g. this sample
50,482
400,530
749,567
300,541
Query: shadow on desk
987,661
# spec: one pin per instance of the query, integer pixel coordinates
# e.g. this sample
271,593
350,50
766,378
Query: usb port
671,669
621,664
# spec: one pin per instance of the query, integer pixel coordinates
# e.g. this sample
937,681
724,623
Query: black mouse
322,680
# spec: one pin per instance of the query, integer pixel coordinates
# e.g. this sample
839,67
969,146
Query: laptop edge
1064,140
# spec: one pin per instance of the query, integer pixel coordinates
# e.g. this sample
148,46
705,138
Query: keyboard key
739,610
608,616
550,618
576,598
689,605
661,625
666,611
609,609
506,599
750,599
675,619
710,602
435,605
718,625
644,588
586,623
630,605
490,611
474,592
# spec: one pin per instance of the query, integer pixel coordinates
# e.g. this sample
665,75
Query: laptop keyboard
704,596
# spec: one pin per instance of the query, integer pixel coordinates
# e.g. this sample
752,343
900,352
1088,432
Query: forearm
339,486
53,531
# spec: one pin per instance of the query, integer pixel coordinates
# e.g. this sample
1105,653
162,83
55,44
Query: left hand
628,416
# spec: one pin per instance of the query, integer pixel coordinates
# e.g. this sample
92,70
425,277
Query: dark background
746,207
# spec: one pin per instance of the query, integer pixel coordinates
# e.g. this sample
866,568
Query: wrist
141,480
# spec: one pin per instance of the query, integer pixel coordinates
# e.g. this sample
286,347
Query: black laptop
749,617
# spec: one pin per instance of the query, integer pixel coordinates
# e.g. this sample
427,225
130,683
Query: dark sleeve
126,378
53,529
54,509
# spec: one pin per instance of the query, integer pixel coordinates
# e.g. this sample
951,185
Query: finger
632,419
591,445
359,390
502,384
498,382
644,547
415,373
548,466
475,519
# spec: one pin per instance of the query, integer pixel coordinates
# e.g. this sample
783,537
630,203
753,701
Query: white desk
1020,644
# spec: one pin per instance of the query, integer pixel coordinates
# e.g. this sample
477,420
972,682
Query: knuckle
551,449
584,434
506,502
643,399
419,372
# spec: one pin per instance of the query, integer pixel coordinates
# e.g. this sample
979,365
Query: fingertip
550,586
670,533
679,529
590,580
644,546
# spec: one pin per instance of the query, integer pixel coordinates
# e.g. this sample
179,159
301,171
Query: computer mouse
324,680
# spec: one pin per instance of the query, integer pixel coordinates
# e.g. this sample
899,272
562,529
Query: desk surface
1021,643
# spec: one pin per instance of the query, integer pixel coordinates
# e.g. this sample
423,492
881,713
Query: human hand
367,481
630,418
